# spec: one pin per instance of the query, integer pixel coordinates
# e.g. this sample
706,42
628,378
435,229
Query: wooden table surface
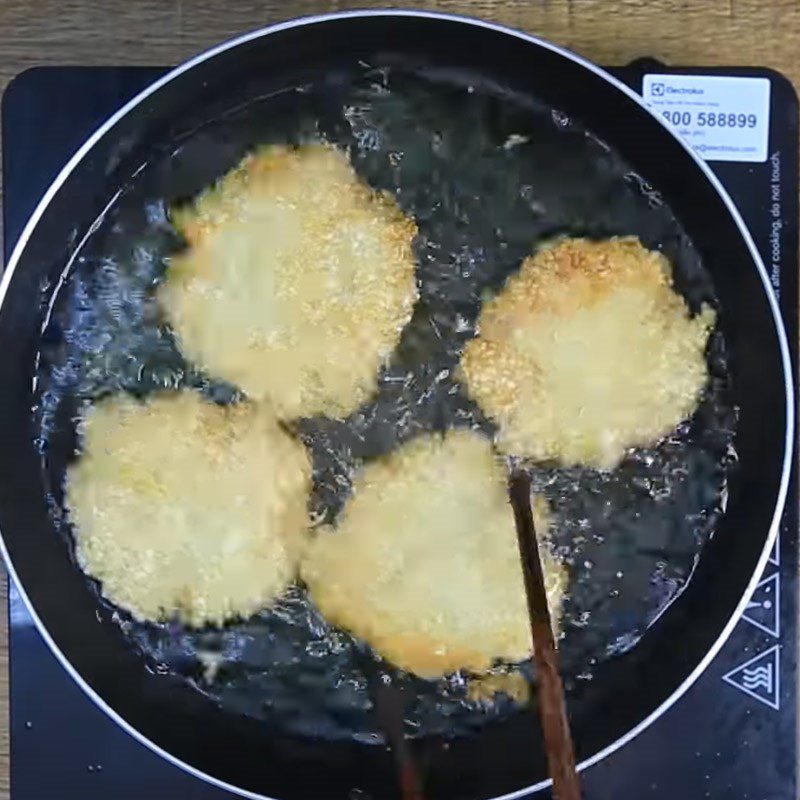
692,32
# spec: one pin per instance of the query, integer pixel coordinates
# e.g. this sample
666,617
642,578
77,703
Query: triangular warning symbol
759,677
764,607
775,553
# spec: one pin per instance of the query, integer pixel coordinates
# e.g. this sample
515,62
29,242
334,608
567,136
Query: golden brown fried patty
424,563
183,506
586,352
297,280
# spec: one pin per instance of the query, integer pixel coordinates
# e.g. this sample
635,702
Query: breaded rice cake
296,281
586,352
424,563
184,507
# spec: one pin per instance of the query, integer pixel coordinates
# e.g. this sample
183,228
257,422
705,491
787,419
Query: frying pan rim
298,22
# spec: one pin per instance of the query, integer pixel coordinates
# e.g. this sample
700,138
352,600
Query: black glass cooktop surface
732,736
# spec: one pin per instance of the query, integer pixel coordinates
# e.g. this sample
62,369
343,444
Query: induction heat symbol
763,610
759,677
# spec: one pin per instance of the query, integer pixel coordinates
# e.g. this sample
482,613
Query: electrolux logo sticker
681,90
723,118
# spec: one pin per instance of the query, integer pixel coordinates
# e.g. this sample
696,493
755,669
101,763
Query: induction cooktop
732,736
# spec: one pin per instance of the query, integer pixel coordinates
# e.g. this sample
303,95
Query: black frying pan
628,691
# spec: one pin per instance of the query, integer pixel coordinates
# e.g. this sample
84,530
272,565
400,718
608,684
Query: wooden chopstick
389,705
552,706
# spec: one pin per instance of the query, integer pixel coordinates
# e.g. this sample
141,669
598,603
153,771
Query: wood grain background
691,32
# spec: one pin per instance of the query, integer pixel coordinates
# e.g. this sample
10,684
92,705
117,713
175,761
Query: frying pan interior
690,220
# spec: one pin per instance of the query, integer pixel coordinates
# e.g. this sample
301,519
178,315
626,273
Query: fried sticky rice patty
181,506
586,352
296,282
424,563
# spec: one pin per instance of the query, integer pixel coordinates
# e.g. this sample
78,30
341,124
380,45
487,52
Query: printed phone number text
710,119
